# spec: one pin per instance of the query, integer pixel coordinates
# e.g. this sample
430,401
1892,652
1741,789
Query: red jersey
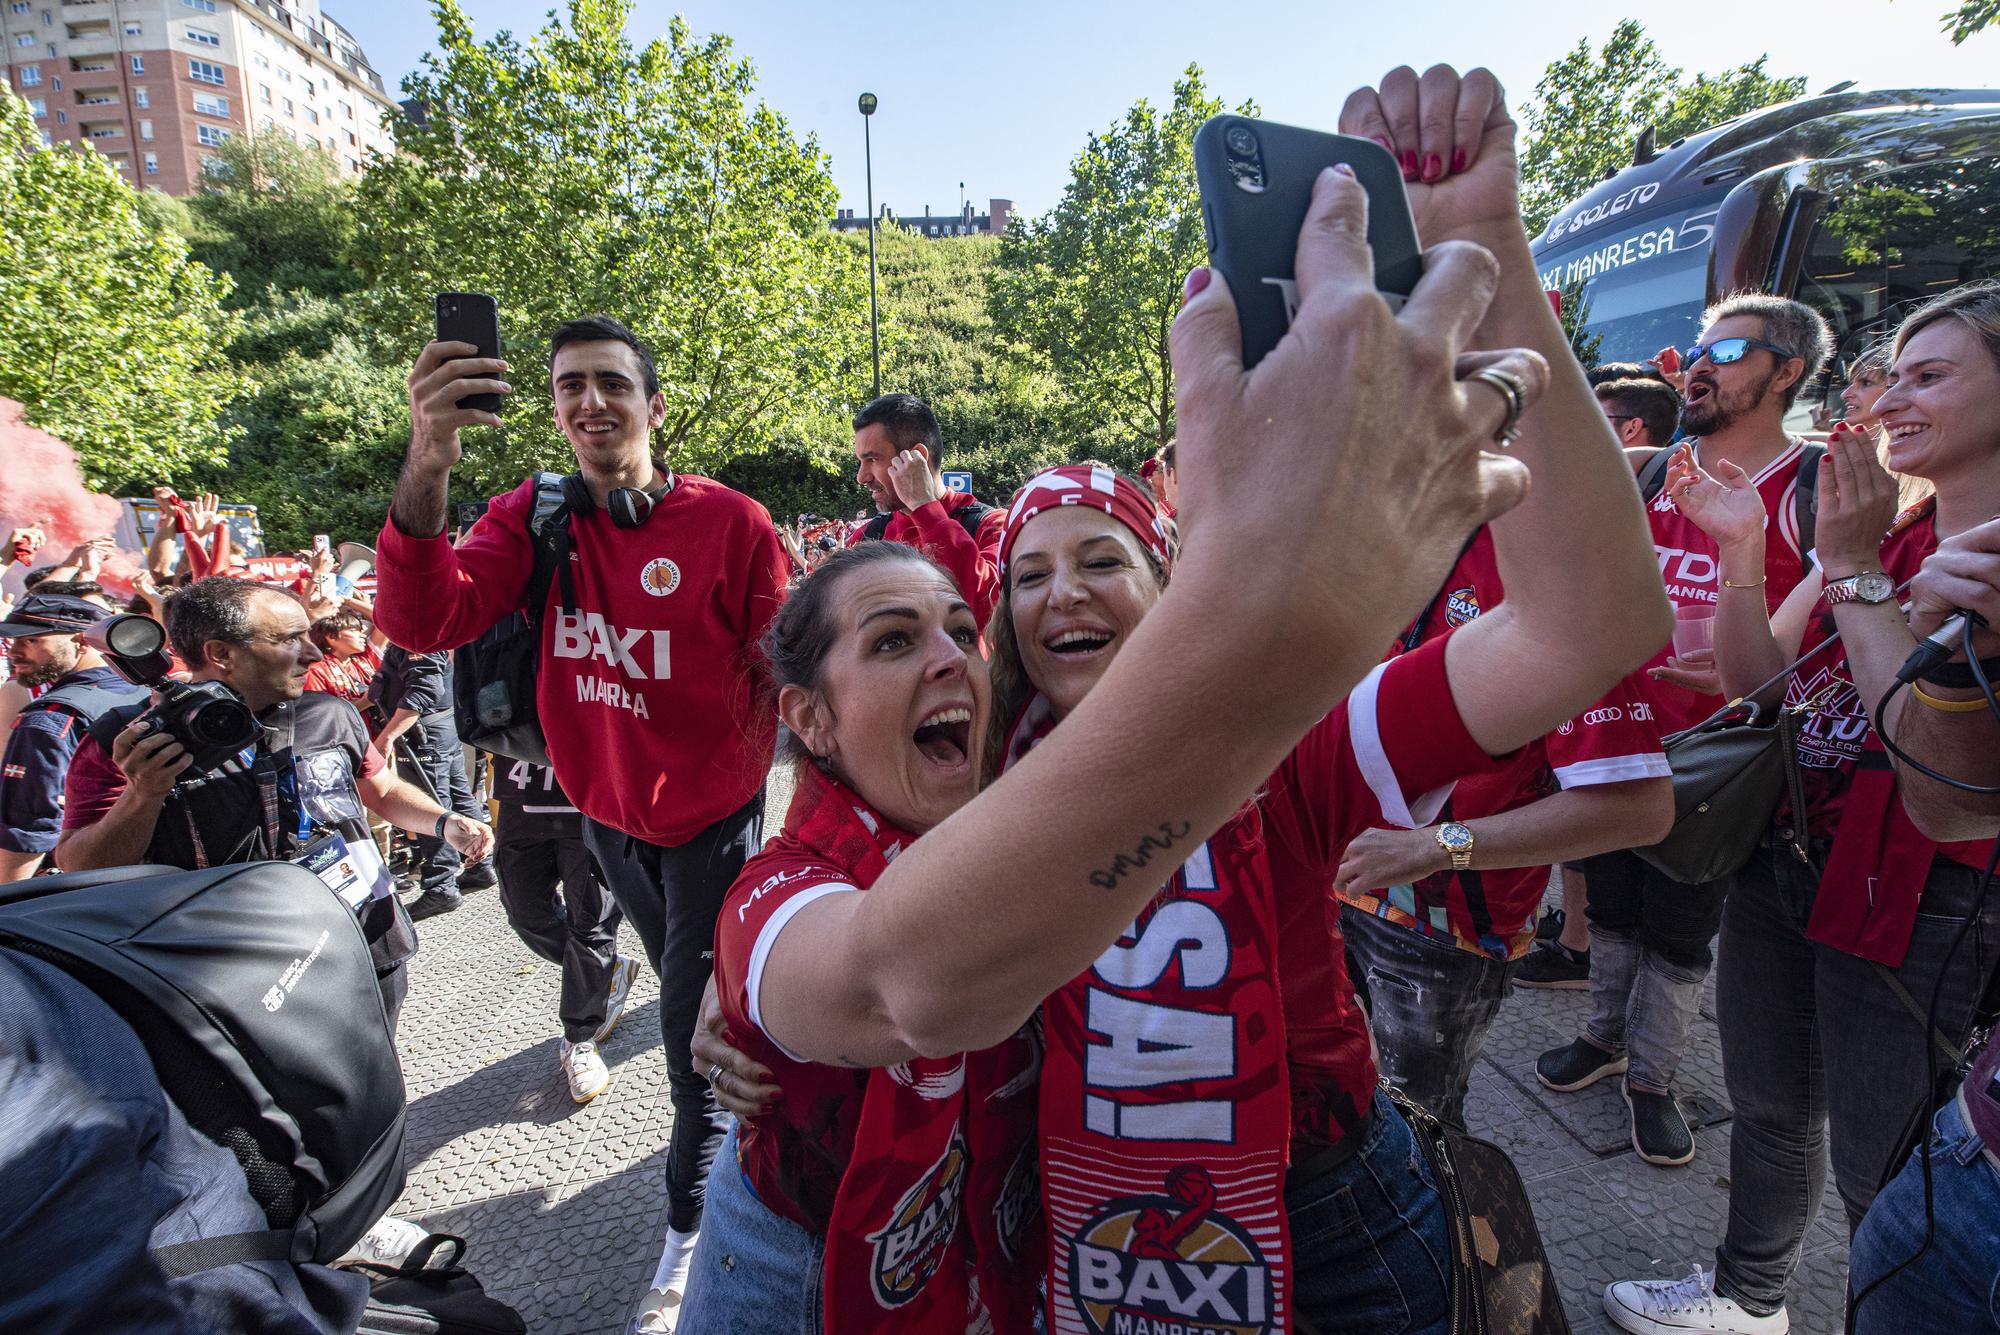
1690,566
646,694
934,529
1492,912
347,678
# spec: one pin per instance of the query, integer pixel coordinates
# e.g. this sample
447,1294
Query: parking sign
958,482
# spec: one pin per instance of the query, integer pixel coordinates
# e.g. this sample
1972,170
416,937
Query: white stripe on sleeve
761,951
1614,769
1364,731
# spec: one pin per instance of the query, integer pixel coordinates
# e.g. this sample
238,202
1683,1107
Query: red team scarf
934,1227
1164,1134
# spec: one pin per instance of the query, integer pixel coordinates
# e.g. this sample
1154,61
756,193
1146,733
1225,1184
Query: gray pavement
564,1206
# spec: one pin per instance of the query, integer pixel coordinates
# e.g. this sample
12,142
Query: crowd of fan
1060,1008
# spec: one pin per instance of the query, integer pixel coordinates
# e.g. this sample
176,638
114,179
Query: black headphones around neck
629,507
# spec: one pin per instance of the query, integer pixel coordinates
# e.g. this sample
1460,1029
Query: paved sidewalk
564,1207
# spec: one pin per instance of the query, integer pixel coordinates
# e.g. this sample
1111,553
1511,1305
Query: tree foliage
1090,290
276,215
111,336
1590,106
1971,17
574,173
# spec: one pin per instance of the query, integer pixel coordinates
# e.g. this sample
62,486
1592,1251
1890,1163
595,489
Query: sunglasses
1726,350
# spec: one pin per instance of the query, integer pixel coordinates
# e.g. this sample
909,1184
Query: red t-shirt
1616,740
974,562
347,678
647,694
1690,566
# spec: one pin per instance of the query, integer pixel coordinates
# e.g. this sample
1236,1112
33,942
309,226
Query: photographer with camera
243,764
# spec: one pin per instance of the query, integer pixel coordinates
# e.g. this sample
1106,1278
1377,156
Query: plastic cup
1694,629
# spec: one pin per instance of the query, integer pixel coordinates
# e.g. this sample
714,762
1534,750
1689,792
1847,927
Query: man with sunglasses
1650,936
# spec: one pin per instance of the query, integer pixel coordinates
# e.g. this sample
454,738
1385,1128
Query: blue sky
1001,95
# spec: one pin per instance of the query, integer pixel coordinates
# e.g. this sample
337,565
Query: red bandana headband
1098,488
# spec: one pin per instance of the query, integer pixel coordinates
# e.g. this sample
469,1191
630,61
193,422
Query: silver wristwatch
1870,586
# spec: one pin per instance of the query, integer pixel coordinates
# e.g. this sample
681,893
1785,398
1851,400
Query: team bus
1859,203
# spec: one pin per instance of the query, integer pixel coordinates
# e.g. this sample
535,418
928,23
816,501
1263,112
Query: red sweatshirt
646,693
934,530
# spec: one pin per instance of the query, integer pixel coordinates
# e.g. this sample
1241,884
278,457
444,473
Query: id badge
356,873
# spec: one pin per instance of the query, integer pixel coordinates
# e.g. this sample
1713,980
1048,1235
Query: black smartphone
1256,181
471,317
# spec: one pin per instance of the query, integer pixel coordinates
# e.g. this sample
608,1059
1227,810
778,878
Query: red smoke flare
40,483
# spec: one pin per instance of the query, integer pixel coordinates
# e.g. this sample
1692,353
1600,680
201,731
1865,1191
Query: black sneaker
1577,1066
1551,925
1660,1133
1553,964
479,876
433,902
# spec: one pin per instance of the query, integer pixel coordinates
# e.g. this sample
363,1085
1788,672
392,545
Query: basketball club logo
1461,606
660,577
911,1246
1172,1262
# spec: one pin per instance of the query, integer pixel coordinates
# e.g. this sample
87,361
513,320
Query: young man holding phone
645,691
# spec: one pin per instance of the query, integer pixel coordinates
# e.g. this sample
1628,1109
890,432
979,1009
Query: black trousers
557,904
1630,897
672,897
432,743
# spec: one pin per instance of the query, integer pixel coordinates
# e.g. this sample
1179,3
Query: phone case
471,317
1254,200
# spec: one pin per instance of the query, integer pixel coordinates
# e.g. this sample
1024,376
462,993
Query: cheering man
900,449
645,692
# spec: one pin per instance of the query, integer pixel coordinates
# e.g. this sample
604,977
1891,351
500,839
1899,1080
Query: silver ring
714,1073
1511,389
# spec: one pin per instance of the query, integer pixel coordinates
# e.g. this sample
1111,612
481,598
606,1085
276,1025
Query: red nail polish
1433,166
1409,162
1197,280
1458,161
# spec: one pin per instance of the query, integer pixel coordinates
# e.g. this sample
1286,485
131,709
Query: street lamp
867,105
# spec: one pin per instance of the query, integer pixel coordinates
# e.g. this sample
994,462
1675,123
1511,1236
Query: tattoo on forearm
1168,834
419,505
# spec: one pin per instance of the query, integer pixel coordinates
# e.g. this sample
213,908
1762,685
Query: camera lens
221,723
1241,141
132,636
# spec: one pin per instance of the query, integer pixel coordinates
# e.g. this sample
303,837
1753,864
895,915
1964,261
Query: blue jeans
753,1271
1955,1285
1370,1248
1430,1005
1649,955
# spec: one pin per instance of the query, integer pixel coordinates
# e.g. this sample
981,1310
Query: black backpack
493,678
968,517
252,990
1805,501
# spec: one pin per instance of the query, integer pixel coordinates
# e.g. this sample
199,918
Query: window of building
347,110
312,140
55,83
138,64
62,118
312,116
31,75
146,130
284,75
208,104
25,39
264,93
202,71
203,37
39,106
48,18
152,164
139,98
106,131
354,166
263,61
210,136
205,6
288,106
352,142
134,29
20,6
267,123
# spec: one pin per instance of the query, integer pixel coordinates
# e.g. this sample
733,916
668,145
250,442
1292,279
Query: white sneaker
1689,1306
388,1243
584,1070
623,970
659,1313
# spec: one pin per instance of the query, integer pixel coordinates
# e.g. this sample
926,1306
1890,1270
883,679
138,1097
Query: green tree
574,173
275,214
1971,17
1090,290
1590,106
111,336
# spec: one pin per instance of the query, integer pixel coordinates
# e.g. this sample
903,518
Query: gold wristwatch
1455,838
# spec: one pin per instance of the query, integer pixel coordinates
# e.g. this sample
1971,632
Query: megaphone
357,562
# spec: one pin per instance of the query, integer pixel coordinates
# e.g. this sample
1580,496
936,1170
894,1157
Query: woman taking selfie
1813,1028
1172,1135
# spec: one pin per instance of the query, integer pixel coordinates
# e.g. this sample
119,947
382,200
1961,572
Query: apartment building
155,85
965,222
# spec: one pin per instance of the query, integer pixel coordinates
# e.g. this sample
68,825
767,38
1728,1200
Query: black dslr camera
209,720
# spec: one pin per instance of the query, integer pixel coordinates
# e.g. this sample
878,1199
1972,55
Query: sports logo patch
1020,1201
911,1246
1171,1262
1461,606
660,577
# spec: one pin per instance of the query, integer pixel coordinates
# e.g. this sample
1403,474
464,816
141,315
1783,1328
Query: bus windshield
1631,289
